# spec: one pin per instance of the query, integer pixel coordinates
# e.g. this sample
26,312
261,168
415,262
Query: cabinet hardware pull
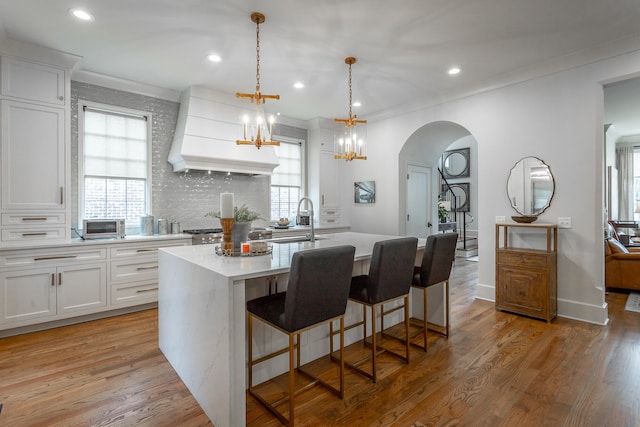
33,234
61,98
59,279
62,195
147,250
322,200
151,267
34,218
53,279
47,258
141,291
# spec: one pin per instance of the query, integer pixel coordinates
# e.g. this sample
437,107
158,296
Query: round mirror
455,163
530,186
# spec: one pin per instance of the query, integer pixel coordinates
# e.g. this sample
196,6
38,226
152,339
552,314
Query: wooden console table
526,279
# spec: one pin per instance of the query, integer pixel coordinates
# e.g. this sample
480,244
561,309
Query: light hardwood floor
496,369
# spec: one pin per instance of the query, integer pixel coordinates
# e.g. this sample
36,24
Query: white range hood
209,123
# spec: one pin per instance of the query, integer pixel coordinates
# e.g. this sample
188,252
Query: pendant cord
257,57
350,92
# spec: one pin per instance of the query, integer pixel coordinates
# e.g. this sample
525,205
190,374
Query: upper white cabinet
35,144
324,173
33,156
33,81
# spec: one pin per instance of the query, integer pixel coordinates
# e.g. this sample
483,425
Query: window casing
287,181
114,165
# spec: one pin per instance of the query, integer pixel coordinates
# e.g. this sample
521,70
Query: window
115,167
287,179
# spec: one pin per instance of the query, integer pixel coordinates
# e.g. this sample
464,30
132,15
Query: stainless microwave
102,228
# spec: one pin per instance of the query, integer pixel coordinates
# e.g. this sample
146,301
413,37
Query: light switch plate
501,219
564,222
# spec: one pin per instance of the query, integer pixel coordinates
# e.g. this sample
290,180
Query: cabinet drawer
520,258
134,270
31,219
28,258
143,250
141,293
28,235
329,221
330,212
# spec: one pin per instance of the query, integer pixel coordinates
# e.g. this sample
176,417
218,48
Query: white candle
226,205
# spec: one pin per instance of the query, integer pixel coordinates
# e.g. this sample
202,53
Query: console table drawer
532,260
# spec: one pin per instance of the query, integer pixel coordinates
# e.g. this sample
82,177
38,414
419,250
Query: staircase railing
448,194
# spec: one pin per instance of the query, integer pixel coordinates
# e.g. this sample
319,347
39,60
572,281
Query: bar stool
437,260
317,293
389,279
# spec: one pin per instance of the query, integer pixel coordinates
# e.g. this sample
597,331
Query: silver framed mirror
461,193
455,163
530,186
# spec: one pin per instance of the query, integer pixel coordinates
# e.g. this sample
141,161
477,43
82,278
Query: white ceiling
404,47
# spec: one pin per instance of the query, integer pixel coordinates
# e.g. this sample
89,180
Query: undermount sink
295,239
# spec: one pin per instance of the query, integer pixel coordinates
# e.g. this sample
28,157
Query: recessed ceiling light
82,15
357,104
298,85
213,57
453,71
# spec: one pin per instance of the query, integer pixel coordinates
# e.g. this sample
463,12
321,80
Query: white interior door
418,196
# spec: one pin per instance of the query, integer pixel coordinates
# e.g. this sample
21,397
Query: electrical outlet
501,219
564,222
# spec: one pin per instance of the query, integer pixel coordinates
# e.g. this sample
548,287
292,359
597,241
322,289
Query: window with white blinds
115,169
287,180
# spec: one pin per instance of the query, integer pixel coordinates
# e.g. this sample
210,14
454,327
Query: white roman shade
122,152
288,173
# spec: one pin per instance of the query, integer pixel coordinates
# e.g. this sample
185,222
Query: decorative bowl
524,219
283,222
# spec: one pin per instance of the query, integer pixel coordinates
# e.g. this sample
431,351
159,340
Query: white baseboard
567,309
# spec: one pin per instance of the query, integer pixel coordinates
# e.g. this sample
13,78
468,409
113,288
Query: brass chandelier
257,131
350,144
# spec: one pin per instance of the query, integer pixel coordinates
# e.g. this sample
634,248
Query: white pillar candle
226,205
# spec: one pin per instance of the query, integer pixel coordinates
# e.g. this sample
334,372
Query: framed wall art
364,192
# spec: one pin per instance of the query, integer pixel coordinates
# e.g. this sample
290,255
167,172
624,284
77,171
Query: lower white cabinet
40,285
34,295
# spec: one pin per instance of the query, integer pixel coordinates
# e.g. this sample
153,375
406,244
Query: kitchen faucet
312,235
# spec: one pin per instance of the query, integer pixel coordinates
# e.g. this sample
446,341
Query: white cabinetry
39,285
43,285
324,173
133,272
35,178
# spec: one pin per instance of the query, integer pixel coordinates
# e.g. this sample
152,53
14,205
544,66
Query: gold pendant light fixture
258,131
350,143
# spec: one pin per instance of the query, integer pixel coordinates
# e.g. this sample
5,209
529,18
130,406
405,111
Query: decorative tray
236,253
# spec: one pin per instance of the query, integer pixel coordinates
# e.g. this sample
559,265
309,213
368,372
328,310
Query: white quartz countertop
279,260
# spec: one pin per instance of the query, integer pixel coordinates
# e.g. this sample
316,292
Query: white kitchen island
202,316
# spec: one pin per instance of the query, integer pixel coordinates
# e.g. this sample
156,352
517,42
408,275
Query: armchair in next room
621,267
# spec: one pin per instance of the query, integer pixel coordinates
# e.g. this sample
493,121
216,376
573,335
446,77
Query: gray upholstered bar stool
437,260
389,279
317,293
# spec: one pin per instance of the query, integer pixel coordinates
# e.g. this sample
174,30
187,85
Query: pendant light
350,139
257,130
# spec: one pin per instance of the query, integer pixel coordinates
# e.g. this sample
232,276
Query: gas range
205,236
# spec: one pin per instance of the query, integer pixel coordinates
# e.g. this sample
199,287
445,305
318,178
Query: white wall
557,118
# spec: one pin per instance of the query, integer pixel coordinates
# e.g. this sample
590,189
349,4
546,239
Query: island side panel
194,333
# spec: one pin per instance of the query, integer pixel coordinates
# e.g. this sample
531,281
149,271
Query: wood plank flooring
496,369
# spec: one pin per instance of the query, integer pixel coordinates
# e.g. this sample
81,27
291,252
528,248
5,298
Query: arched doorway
421,154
